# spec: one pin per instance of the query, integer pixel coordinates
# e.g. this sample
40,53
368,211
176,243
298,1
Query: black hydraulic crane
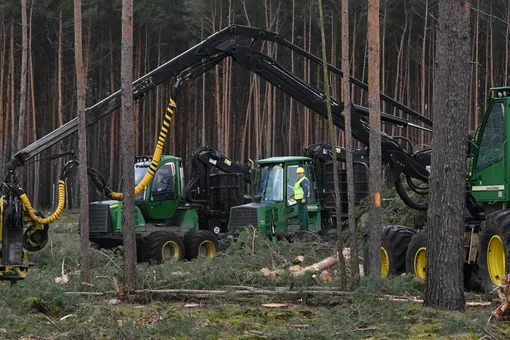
243,45
215,193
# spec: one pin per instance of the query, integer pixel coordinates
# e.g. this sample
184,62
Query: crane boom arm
243,44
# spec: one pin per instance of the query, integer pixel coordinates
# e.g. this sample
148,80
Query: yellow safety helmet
300,170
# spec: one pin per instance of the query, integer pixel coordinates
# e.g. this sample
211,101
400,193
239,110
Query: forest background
228,108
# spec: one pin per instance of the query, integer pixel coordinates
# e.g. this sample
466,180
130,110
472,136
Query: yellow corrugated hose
55,215
157,154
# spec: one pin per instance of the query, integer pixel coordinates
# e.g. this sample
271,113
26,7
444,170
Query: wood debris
319,266
270,273
64,278
503,291
275,305
67,316
299,259
191,305
326,276
297,270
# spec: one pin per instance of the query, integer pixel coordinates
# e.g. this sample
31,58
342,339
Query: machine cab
276,186
488,182
163,194
278,177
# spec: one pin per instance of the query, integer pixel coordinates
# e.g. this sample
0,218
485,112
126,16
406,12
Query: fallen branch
261,292
417,300
198,292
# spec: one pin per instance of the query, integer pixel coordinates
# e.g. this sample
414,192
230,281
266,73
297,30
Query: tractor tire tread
395,240
418,241
193,239
496,223
154,242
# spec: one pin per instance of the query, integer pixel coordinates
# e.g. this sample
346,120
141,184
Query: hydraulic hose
407,199
61,198
60,207
157,154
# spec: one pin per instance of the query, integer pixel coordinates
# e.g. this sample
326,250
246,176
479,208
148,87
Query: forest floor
45,305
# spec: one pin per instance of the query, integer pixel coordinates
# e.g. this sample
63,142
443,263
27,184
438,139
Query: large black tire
164,247
495,225
416,252
394,241
200,242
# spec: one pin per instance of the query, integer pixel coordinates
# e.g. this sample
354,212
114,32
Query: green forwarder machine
274,212
174,221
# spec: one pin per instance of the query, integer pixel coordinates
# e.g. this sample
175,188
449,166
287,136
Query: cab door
488,180
163,192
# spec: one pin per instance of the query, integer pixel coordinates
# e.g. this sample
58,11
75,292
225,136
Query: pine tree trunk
2,117
399,59
87,59
291,105
374,237
353,56
477,59
113,129
60,117
332,136
23,82
423,48
33,119
13,93
127,146
354,265
444,283
383,57
82,144
486,86
507,36
491,51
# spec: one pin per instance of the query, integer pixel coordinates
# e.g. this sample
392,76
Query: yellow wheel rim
207,249
385,263
496,262
420,263
170,251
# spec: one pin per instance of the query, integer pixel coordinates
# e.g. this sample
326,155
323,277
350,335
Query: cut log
270,273
298,259
296,268
326,276
319,266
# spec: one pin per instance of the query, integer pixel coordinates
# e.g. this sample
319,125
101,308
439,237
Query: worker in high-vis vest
300,195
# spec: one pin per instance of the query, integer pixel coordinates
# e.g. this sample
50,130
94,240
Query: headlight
216,230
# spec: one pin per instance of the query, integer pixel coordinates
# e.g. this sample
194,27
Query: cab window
492,139
164,183
291,180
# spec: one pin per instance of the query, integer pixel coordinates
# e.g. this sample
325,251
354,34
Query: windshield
271,183
139,174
